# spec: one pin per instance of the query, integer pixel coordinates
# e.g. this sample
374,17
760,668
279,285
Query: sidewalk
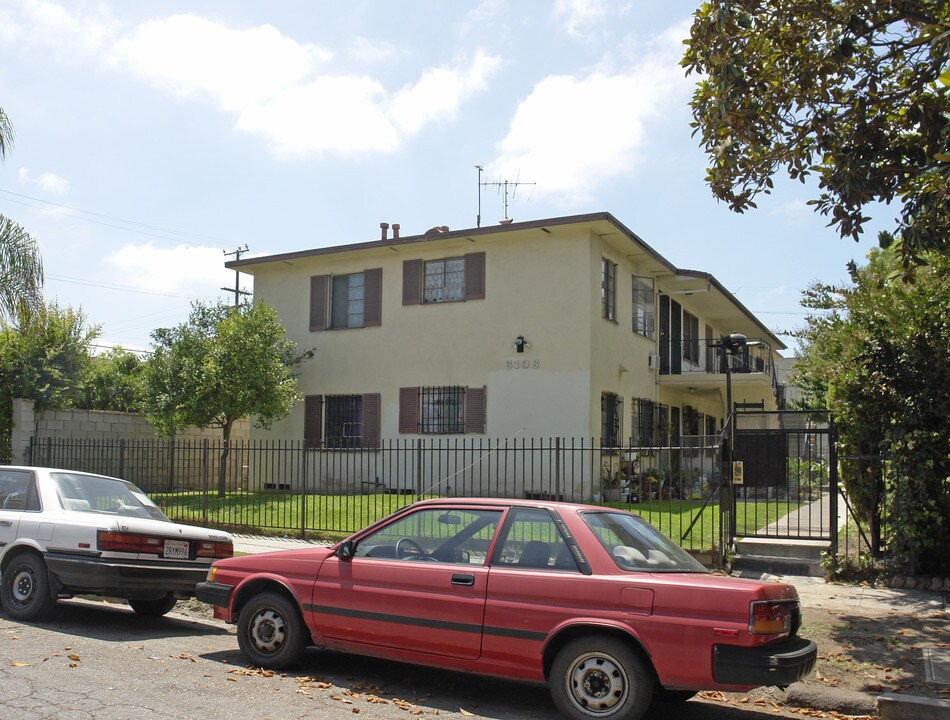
815,593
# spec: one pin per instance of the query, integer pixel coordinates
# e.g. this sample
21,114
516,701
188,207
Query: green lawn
334,516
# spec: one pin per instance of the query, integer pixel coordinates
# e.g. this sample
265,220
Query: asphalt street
100,661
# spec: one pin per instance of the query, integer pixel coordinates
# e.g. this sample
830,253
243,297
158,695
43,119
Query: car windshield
104,495
634,544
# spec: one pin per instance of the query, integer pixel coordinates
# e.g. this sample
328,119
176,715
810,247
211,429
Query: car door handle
463,579
6,523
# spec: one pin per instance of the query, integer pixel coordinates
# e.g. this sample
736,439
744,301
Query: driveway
102,661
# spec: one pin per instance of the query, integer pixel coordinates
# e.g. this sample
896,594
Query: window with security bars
344,421
643,306
643,423
611,411
608,289
445,280
442,409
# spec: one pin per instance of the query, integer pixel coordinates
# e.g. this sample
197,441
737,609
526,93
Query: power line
130,225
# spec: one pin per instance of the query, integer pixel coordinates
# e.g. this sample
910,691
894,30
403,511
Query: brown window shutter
313,421
409,410
371,406
475,410
318,302
373,298
475,276
412,282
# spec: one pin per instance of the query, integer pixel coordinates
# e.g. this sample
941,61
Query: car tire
600,678
271,632
153,607
25,589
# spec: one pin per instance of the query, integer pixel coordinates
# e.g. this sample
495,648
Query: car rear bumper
780,664
124,578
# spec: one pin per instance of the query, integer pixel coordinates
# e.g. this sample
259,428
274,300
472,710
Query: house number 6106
522,364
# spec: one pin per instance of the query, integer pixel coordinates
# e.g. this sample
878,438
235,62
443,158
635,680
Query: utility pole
238,292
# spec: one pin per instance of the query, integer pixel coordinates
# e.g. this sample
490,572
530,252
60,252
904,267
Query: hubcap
268,631
24,585
596,684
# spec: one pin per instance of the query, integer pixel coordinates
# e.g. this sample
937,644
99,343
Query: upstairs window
608,289
446,280
643,306
690,338
339,302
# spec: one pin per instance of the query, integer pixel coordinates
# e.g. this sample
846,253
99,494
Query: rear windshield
634,544
104,495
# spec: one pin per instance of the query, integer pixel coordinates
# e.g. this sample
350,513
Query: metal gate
784,473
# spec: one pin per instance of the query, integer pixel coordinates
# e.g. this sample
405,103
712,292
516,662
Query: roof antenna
505,184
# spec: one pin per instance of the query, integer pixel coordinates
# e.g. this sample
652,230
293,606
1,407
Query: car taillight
770,618
128,542
215,549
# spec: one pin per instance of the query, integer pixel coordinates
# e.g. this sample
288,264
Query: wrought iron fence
286,487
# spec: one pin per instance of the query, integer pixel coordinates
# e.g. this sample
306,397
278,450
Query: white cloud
47,182
197,271
191,55
440,92
578,16
47,25
341,115
580,133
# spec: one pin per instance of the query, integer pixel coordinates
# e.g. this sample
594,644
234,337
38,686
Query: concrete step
780,556
758,565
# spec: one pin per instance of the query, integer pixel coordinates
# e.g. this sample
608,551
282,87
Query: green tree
114,382
21,268
45,359
221,365
877,353
854,92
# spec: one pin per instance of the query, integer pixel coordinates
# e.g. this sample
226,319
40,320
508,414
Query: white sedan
65,533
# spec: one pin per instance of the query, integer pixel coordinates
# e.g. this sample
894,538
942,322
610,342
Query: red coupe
593,601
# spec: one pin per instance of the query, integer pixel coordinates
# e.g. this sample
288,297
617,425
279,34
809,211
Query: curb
892,706
887,706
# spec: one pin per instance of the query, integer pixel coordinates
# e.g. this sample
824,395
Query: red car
593,601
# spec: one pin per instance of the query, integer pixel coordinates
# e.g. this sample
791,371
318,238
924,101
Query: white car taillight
207,548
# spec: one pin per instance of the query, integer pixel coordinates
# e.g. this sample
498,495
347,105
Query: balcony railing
678,357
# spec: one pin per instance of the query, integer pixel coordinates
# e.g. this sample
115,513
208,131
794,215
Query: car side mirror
346,551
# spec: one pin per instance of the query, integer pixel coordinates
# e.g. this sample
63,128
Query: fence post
204,480
122,457
419,474
833,480
302,486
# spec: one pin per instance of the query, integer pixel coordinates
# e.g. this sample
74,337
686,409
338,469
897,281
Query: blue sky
153,137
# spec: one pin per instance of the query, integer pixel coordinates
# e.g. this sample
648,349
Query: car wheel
153,607
24,590
271,632
600,677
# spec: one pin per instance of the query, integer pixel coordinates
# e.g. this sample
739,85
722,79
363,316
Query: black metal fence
286,487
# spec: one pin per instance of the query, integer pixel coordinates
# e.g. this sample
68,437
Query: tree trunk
223,460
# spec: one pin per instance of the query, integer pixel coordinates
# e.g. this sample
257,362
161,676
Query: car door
416,584
17,494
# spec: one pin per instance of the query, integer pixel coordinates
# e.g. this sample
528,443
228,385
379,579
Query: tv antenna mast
505,184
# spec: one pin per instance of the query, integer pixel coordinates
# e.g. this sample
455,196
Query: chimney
395,231
384,231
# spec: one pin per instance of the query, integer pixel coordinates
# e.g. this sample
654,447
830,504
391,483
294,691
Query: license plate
177,549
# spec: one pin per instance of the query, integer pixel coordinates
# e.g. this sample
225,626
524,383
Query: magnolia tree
853,93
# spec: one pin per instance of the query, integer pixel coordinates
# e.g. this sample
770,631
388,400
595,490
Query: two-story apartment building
563,327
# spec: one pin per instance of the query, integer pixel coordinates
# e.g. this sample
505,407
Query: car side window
434,535
18,491
533,540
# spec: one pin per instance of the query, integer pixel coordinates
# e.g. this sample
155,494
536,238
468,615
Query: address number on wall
525,364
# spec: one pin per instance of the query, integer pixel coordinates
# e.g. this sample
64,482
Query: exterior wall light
520,344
